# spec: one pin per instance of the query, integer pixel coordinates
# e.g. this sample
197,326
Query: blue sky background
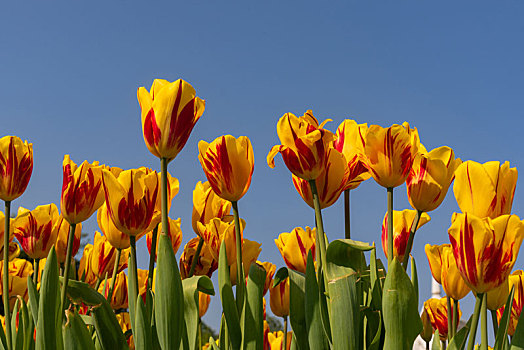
69,73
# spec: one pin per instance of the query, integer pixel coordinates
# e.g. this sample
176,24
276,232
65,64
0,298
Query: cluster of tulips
337,295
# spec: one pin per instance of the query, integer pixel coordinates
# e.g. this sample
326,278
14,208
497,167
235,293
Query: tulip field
332,293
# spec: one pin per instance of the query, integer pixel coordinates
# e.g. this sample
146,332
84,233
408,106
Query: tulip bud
203,303
270,272
437,311
427,330
279,298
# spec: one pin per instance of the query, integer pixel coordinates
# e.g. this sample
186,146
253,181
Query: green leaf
297,307
223,333
229,306
213,344
17,336
26,323
348,253
33,298
253,310
414,278
315,330
376,284
132,289
76,335
142,336
502,333
401,319
280,276
169,296
436,341
458,342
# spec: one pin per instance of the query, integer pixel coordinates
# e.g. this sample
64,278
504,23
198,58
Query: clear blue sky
69,73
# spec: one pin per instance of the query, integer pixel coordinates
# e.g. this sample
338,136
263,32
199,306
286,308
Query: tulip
295,245
85,268
516,280
250,252
63,227
270,272
304,145
276,339
142,276
169,113
16,166
19,271
485,249
125,324
205,265
203,303
437,311
279,298
497,297
228,164
175,234
119,295
430,177
217,231
485,190
427,329
330,183
103,257
36,230
402,221
207,205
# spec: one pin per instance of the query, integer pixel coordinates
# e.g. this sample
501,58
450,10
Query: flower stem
199,333
36,270
132,280
347,218
152,258
495,322
240,277
450,322
475,322
484,324
455,316
285,333
113,276
196,257
390,224
320,226
163,190
67,265
409,244
5,279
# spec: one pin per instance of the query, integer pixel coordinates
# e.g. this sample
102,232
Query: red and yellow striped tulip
103,257
82,192
217,231
207,205
117,238
430,177
169,113
402,221
19,271
350,142
516,279
62,227
295,245
175,234
389,153
142,276
205,265
85,268
228,164
485,190
437,311
119,297
36,230
125,324
270,272
16,167
434,254
485,249
131,199
330,183
203,303
276,340
304,145
279,298
497,297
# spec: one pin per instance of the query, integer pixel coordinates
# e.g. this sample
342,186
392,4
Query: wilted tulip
279,298
330,183
175,234
63,227
85,268
205,265
389,153
270,272
437,311
82,192
402,221
119,296
103,257
36,230
516,279
207,205
485,190
19,271
430,177
295,245
304,145
169,113
16,167
203,303
485,249
228,164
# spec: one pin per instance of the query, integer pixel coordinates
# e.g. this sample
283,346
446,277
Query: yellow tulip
175,234
207,205
117,238
430,177
295,245
330,183
250,252
228,164
203,303
19,271
85,268
497,297
169,113
485,190
389,153
16,166
125,324
276,340
270,272
131,199
205,265
36,230
82,192
485,249
516,279
427,328
119,296
218,230
103,257
304,145
62,227
437,311
279,298
402,221
350,142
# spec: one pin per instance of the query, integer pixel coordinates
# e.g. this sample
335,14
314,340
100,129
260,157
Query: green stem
240,274
196,257
450,322
320,226
35,272
475,322
285,333
5,279
390,224
347,218
199,333
455,316
113,276
98,283
427,345
67,266
163,190
409,244
132,280
484,324
495,322
152,258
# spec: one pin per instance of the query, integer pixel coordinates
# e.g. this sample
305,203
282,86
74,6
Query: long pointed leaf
253,310
228,301
142,336
191,287
315,330
502,333
76,335
297,307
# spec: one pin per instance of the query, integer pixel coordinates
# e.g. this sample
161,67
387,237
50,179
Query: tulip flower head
205,265
279,298
516,279
125,324
63,227
103,255
207,205
497,297
270,272
250,252
402,221
295,245
175,234
276,340
485,190
430,177
217,231
203,303
304,145
228,164
485,249
169,113
117,238
119,297
437,311
427,328
19,271
16,167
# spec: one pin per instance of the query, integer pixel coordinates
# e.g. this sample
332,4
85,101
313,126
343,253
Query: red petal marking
152,132
218,168
464,252
338,144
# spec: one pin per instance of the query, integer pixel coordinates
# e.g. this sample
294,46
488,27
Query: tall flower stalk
5,277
